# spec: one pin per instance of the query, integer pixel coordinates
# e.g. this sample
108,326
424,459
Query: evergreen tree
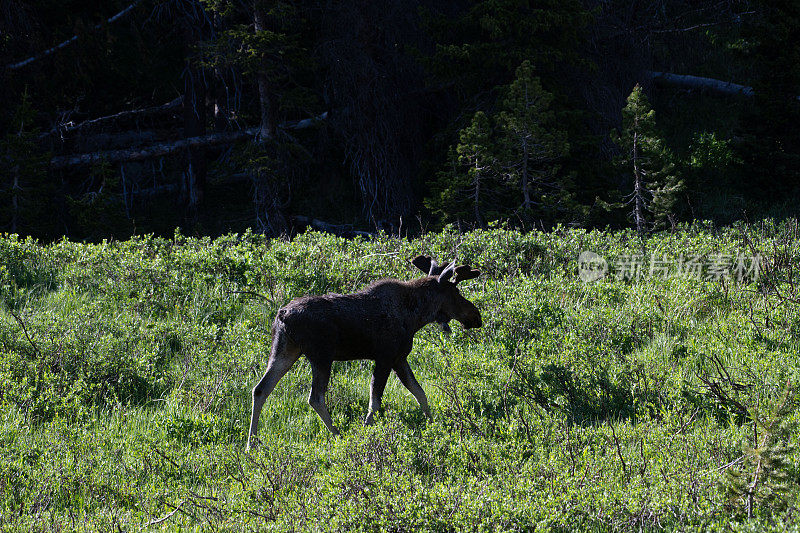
647,160
463,190
264,41
26,196
507,164
763,478
480,45
532,145
770,138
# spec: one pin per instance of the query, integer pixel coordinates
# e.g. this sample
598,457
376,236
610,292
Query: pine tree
532,145
265,41
770,140
462,191
26,196
763,478
507,165
647,160
479,47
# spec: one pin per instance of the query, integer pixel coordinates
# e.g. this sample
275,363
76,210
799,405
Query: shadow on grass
585,399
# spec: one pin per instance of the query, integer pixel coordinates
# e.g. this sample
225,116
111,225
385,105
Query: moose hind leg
282,356
377,385
403,371
320,376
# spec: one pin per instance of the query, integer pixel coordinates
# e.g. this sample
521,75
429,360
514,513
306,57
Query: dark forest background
123,117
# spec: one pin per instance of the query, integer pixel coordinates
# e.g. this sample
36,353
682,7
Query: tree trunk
71,40
268,208
476,197
266,194
15,202
526,197
193,179
221,112
638,189
161,149
267,126
69,127
150,151
343,230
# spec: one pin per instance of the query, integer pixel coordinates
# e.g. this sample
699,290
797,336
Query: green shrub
126,369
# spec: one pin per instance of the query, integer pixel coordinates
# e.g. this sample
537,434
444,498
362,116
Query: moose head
454,305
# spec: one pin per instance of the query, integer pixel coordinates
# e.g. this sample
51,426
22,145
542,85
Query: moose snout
472,320
469,316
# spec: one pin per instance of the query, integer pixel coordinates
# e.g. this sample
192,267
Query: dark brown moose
377,322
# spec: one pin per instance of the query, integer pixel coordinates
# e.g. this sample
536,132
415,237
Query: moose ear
422,262
447,273
464,272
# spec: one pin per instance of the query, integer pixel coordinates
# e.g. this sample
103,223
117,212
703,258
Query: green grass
612,405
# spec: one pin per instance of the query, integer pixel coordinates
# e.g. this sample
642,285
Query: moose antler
465,272
429,266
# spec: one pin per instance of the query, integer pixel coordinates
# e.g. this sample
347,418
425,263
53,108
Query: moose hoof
370,420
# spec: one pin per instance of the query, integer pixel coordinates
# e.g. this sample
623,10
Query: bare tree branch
71,40
25,331
166,516
735,20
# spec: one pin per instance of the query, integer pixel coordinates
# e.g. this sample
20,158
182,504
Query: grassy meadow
654,402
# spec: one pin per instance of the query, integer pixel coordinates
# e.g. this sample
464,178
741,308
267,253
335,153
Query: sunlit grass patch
126,377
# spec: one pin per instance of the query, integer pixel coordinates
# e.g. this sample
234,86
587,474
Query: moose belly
361,348
369,343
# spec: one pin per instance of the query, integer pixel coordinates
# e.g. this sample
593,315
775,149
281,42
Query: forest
135,117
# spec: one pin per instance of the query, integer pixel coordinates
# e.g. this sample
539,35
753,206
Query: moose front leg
320,376
377,385
403,371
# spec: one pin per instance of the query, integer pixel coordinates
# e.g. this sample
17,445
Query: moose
378,322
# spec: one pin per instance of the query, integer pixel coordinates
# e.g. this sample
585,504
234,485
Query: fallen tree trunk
342,230
724,88
64,44
148,152
305,123
162,149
